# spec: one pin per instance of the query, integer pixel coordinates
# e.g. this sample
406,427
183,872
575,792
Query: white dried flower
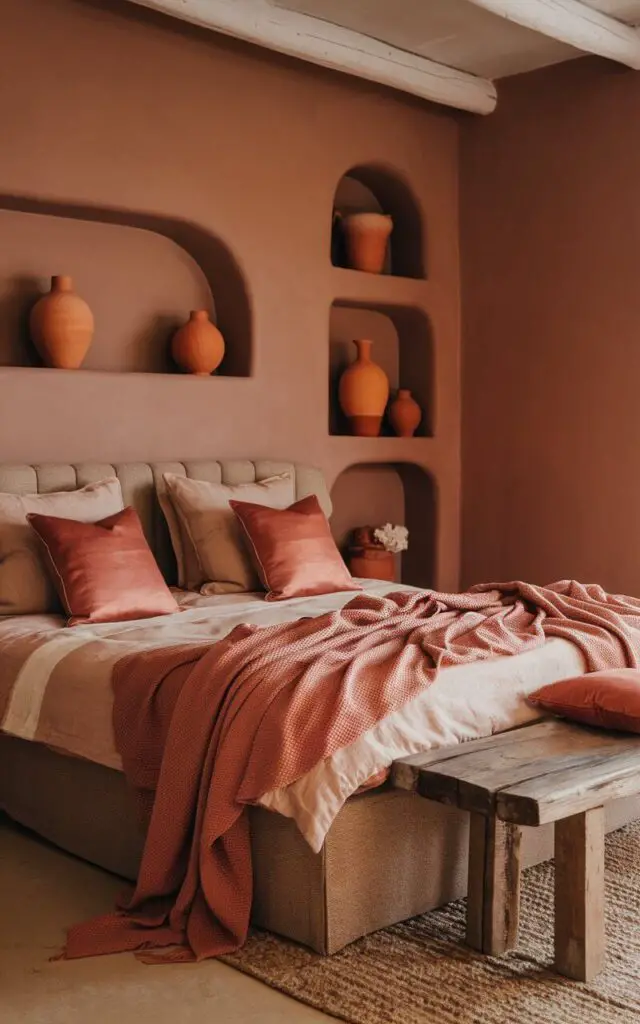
392,538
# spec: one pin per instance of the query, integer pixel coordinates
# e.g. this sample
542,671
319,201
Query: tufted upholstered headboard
139,481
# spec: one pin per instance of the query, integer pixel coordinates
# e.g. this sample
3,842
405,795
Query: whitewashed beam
331,46
573,23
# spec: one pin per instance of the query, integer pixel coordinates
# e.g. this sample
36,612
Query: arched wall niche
382,189
403,346
209,276
403,493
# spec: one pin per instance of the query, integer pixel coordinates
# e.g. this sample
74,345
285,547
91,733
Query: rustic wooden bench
547,772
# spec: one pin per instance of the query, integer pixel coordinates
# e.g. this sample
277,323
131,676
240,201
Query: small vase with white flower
373,550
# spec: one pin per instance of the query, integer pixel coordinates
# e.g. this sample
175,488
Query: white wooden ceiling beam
331,46
573,23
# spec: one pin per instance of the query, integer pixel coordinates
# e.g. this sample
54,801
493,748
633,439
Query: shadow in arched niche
218,264
403,493
378,188
16,300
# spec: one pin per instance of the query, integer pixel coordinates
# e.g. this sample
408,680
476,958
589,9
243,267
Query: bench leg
493,903
579,895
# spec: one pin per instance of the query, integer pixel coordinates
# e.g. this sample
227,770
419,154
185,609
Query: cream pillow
25,587
187,564
210,534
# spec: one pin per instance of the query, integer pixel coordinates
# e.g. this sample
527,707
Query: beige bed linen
55,687
55,682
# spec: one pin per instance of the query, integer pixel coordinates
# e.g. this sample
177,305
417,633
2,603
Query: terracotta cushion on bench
610,699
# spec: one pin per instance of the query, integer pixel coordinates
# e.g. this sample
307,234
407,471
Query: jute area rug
419,972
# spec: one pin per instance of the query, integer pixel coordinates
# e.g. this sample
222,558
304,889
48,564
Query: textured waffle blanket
205,730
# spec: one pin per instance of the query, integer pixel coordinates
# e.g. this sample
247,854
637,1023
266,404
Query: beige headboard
139,481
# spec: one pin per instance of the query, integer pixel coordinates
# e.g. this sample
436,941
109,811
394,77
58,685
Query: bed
387,856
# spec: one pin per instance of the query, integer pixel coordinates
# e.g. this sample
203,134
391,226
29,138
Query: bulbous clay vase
363,393
198,346
404,414
61,326
366,237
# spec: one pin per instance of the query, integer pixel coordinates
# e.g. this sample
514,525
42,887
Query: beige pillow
187,564
25,587
210,533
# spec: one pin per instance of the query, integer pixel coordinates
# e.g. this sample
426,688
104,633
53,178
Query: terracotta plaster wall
551,325
105,106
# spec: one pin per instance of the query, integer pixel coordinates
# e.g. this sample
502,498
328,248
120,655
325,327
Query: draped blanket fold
207,729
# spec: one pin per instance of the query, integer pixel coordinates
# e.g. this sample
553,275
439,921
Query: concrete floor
41,891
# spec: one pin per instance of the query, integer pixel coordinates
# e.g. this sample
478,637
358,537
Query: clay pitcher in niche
363,392
366,237
198,346
61,326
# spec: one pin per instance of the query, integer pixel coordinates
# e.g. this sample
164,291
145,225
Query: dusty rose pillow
293,550
105,571
609,699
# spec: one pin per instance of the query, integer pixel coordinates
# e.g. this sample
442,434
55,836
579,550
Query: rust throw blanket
208,729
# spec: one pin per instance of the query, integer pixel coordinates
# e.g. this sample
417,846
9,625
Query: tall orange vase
61,326
363,393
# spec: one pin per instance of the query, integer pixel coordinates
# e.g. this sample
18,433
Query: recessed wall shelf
171,267
359,286
402,346
387,478
380,189
85,371
397,492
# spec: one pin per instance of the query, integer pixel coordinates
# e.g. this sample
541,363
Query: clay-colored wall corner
551,327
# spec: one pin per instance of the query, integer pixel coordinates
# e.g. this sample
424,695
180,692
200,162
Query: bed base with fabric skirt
388,856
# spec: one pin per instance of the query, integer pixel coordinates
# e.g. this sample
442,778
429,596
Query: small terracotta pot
373,564
198,346
366,237
61,326
363,392
404,414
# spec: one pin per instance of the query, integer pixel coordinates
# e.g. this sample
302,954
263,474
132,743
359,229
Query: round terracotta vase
363,393
404,414
61,326
198,346
366,237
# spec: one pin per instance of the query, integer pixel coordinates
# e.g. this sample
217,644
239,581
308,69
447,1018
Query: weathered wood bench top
551,771
528,776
